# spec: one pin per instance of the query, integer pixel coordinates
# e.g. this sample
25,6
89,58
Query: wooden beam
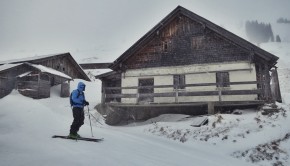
215,71
95,65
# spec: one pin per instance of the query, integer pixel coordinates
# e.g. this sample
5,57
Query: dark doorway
145,89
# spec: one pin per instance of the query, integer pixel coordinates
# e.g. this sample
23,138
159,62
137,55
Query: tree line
283,20
260,32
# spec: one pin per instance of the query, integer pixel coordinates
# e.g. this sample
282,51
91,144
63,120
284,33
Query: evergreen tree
278,39
283,20
271,33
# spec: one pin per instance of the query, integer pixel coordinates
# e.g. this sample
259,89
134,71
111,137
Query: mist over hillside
103,30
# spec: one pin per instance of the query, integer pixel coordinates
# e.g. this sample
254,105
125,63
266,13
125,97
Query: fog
106,28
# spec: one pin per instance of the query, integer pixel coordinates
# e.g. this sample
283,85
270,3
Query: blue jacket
78,96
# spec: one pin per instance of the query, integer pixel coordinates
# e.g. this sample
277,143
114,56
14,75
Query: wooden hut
35,75
187,64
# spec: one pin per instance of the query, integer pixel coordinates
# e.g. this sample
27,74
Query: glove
87,103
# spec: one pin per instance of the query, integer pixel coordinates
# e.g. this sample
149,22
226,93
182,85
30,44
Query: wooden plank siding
183,38
63,64
8,78
6,86
34,89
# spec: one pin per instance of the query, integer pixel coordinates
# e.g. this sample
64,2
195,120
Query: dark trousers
78,114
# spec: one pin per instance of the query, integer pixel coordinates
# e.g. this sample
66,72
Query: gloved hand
87,103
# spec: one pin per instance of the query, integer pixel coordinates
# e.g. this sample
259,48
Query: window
166,45
179,81
223,79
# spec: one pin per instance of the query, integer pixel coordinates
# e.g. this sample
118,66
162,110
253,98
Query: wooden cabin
34,76
187,64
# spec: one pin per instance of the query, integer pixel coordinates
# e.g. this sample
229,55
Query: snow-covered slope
26,127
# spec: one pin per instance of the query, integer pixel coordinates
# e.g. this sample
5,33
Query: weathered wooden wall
6,86
111,83
62,64
8,79
65,90
34,89
185,42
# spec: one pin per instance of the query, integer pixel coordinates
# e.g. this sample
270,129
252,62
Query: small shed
37,82
34,76
63,62
31,80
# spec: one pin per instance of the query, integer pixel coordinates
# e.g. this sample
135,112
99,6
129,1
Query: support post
210,108
220,93
176,95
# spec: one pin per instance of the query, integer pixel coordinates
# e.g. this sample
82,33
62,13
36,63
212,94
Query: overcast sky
106,28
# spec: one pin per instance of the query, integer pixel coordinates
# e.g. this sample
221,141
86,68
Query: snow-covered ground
26,127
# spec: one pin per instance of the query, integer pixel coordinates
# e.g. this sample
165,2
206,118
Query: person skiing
78,101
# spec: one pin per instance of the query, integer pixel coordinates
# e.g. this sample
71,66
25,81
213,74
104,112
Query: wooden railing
110,92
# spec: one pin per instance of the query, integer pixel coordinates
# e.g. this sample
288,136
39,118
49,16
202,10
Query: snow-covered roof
28,58
40,59
24,74
49,70
39,67
8,66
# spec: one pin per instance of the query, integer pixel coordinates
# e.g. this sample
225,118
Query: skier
78,102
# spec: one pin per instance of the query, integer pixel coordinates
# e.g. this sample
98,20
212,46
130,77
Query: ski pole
96,119
90,121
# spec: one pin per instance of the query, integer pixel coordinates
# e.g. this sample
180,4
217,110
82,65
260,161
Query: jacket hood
81,86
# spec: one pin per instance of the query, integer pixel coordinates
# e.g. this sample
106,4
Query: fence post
210,108
220,93
103,99
176,95
137,97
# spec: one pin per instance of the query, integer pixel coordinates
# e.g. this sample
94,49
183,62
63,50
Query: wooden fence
108,92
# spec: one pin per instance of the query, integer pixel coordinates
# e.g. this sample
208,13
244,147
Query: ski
81,138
